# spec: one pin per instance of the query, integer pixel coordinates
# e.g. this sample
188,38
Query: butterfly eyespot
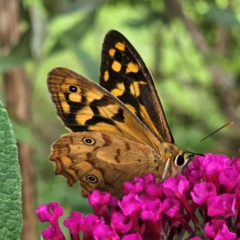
118,56
179,160
91,179
72,89
88,141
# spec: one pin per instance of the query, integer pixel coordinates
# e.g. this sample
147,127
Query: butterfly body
119,129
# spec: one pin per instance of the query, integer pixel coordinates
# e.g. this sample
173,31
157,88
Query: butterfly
118,128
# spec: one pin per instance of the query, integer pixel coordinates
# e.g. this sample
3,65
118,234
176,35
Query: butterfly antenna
225,125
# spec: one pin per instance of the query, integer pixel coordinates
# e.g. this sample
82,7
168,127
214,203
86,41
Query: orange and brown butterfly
119,129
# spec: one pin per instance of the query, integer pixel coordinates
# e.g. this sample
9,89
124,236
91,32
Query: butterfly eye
180,160
72,89
88,141
91,179
118,56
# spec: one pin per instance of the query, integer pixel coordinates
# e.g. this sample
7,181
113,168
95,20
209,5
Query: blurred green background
191,47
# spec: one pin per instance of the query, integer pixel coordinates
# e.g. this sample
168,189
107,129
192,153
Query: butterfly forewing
83,105
124,74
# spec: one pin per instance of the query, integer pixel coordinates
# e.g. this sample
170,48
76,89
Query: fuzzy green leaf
10,181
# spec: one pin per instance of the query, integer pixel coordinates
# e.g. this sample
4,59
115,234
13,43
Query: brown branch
222,37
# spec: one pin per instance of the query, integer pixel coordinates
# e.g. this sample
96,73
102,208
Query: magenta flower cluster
202,204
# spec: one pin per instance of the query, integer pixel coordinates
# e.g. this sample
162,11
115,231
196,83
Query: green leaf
222,16
74,34
87,63
10,182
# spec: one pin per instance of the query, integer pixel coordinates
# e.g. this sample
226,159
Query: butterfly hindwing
124,74
101,160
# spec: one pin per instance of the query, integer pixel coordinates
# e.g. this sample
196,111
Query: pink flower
176,186
151,210
50,213
222,205
120,222
161,210
130,204
217,229
202,191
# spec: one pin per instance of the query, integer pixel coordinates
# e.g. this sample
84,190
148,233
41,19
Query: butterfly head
175,160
